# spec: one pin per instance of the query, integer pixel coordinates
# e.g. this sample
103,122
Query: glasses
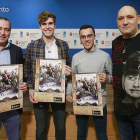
82,37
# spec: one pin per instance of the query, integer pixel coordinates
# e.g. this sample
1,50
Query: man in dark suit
10,54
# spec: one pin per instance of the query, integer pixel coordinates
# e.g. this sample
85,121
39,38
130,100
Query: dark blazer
16,58
16,54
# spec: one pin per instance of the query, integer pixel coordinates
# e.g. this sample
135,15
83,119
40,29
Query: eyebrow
87,35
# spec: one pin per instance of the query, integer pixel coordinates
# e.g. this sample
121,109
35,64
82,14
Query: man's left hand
23,87
68,71
103,77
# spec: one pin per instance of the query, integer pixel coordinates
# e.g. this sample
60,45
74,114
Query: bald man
127,113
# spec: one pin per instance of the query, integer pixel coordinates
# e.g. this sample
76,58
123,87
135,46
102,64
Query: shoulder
15,47
119,38
78,55
61,43
102,53
35,42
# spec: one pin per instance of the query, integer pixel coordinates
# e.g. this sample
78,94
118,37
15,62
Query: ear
39,25
138,19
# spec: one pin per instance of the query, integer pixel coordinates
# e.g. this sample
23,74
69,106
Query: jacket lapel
12,55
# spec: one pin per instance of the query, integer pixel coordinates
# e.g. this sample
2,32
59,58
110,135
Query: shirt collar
6,47
91,51
42,41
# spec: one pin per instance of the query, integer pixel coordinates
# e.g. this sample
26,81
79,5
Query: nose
87,38
47,25
136,83
125,21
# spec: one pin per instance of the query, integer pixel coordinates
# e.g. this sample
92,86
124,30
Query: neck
130,35
48,40
91,49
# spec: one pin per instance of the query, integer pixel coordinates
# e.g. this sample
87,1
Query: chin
134,96
125,32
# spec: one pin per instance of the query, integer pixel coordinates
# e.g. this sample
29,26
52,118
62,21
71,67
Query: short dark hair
44,16
85,27
3,18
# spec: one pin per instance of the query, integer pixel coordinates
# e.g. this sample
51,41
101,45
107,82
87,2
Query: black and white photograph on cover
8,83
131,79
86,90
50,76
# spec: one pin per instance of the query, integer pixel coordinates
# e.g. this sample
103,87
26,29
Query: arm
69,85
27,73
68,62
28,68
22,87
108,69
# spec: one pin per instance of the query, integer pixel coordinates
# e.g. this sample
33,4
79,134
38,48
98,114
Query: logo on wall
16,42
75,42
96,42
102,42
3,9
21,34
27,33
113,34
64,34
32,40
107,34
70,33
10,41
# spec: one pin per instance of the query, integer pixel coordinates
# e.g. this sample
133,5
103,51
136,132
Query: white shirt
52,51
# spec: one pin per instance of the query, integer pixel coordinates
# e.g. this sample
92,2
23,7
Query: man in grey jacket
90,60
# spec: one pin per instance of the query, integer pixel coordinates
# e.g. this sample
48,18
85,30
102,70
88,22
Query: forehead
4,23
127,10
49,20
86,31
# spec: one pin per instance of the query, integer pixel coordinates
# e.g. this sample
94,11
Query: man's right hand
69,98
31,96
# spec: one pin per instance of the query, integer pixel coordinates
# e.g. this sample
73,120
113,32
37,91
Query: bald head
128,7
128,21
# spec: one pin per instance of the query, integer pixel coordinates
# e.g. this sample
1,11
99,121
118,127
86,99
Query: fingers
69,98
68,71
23,87
31,96
103,77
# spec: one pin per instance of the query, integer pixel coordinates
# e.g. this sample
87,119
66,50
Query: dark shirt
118,58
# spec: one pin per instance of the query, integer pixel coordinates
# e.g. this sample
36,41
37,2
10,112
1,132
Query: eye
50,23
7,30
130,16
130,77
90,35
120,18
43,23
82,37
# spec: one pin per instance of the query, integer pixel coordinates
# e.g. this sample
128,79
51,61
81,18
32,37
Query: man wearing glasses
90,60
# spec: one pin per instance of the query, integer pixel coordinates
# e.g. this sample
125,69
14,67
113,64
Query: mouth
126,27
87,43
2,37
134,90
48,30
